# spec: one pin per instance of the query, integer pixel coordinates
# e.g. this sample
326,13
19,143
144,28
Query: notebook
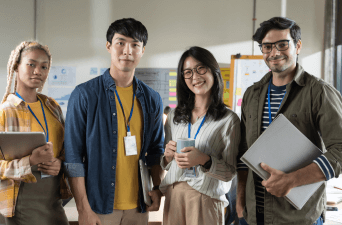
15,145
283,147
146,181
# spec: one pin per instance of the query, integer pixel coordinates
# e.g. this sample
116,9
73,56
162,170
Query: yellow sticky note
172,90
238,91
173,99
173,74
172,83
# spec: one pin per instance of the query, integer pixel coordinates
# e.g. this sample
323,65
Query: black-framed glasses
282,45
188,73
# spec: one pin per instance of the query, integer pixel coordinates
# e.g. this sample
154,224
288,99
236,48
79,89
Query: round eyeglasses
282,45
188,73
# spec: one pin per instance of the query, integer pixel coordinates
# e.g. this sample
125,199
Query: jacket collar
109,82
15,100
298,77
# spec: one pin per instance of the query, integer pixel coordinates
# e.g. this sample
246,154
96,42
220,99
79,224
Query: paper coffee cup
184,142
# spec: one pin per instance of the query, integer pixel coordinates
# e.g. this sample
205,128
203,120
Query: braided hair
14,61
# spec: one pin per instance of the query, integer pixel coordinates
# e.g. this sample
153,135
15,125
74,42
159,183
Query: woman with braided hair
32,187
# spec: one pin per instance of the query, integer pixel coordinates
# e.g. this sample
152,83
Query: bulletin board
245,71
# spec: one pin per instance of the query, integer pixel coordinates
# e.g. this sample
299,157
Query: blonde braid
15,59
12,65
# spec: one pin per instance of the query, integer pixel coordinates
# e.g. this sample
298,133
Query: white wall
75,30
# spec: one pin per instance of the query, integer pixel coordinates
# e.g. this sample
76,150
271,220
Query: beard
279,67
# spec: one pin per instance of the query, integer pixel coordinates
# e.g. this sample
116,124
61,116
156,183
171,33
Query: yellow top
56,130
127,184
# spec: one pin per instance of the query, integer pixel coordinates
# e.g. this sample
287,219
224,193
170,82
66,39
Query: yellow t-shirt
126,183
56,130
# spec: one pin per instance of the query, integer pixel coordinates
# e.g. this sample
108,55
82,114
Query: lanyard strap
41,104
131,113
269,102
189,128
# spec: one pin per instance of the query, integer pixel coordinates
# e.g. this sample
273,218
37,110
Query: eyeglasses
188,73
282,45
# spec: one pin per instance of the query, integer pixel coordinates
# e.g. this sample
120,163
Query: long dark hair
186,98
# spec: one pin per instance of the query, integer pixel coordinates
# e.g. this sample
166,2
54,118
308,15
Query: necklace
199,116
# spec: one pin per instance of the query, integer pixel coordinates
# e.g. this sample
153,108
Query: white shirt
219,139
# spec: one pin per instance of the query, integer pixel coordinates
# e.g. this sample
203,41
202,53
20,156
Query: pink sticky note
173,105
172,93
239,102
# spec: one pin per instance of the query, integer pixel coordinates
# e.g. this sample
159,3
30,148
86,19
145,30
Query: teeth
199,84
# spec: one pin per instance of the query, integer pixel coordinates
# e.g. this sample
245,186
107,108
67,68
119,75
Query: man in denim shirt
113,121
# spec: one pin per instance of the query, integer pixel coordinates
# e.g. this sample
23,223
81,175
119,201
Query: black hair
186,98
277,23
128,27
167,109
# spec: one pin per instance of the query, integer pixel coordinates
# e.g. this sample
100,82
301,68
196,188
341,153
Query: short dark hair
277,23
128,27
186,98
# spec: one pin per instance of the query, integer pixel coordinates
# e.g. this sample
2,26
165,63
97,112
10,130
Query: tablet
146,182
16,145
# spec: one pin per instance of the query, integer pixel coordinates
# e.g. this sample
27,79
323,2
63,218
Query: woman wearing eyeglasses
197,178
29,196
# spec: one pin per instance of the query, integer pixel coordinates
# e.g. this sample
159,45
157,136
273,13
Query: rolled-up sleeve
75,135
328,108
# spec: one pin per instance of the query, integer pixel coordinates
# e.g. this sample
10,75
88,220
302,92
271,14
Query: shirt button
114,114
112,97
112,184
114,150
113,167
114,132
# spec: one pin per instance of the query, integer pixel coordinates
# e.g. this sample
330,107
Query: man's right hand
42,154
170,149
88,218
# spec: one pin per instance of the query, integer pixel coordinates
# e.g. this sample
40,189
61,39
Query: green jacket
315,108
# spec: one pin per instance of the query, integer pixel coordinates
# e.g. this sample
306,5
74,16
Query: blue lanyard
189,128
269,102
41,104
130,115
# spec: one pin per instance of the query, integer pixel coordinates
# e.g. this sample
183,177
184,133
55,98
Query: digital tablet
16,145
146,182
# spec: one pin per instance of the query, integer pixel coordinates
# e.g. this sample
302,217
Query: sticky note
172,99
239,102
226,95
172,83
172,89
173,105
172,93
238,91
173,74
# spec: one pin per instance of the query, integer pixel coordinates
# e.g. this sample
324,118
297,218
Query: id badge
192,172
44,175
130,145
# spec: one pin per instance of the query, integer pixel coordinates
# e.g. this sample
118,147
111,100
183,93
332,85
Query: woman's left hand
190,157
51,168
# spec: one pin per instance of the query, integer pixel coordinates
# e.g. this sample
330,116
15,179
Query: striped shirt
15,117
277,95
219,139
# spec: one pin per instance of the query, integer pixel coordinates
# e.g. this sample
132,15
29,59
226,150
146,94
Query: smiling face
281,62
32,70
125,52
198,84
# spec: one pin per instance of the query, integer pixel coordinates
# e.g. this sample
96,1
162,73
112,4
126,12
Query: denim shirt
91,137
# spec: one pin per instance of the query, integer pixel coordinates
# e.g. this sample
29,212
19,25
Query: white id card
191,172
130,145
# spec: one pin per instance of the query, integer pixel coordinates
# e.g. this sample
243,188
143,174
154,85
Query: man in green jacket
312,105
